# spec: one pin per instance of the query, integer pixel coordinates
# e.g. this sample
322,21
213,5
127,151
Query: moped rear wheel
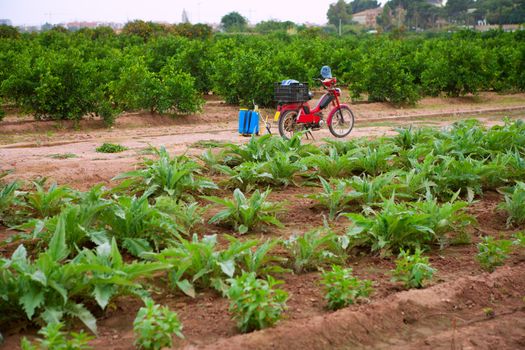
288,124
342,122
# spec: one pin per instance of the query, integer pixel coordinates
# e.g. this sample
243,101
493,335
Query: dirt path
31,149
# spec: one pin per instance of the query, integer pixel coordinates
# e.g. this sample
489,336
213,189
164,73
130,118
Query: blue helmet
326,72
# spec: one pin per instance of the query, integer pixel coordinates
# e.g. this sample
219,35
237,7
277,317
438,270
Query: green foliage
245,176
254,303
110,276
408,225
314,249
456,69
342,288
138,225
185,216
48,203
492,253
384,73
154,326
111,148
163,68
335,196
331,165
519,239
162,92
261,262
412,270
514,205
9,197
233,22
283,168
55,339
175,176
243,214
198,263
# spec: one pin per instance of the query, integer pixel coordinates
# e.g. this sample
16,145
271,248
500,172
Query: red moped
294,113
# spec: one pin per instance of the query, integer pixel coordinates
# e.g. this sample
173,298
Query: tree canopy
233,22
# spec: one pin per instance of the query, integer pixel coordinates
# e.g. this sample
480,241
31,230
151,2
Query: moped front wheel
288,124
342,122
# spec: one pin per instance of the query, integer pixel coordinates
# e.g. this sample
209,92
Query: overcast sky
31,12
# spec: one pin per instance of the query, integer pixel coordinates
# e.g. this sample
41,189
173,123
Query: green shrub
492,253
455,67
110,148
154,326
384,74
342,288
412,270
254,303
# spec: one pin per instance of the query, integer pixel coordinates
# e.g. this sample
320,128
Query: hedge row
59,75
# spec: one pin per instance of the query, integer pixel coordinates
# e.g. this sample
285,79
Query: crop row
402,195
59,75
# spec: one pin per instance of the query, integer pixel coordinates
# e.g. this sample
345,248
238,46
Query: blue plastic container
248,122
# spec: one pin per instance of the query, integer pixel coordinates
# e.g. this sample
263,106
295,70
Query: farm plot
193,251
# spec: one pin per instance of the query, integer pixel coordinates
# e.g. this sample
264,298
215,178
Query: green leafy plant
45,288
335,196
185,216
407,225
9,198
173,176
245,176
111,148
342,288
48,203
244,213
109,276
155,326
139,225
260,261
283,168
492,253
331,165
514,205
254,303
412,269
199,263
314,249
373,160
55,339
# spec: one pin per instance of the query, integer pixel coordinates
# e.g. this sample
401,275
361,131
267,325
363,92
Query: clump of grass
208,144
63,155
111,148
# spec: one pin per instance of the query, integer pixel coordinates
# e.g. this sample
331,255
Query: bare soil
451,312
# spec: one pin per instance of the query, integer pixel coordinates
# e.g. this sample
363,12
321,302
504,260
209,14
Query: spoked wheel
287,124
342,122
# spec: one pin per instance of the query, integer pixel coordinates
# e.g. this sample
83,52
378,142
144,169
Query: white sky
34,12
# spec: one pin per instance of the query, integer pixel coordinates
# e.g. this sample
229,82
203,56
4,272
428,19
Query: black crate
297,92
